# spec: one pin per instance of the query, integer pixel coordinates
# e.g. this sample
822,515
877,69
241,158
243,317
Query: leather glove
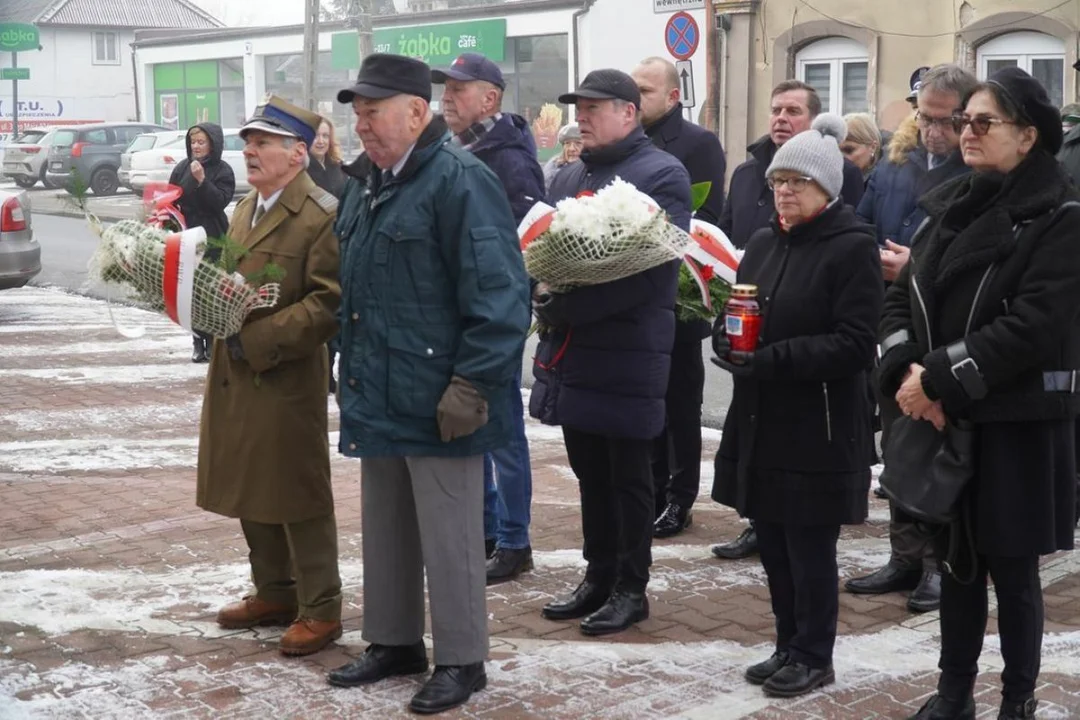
744,370
721,346
236,350
462,410
543,308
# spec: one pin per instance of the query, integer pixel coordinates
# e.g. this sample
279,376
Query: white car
21,157
156,165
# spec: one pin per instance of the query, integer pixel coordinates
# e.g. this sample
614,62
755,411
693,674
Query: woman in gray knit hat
793,456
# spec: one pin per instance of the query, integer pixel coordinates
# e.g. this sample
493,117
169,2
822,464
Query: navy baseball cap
468,67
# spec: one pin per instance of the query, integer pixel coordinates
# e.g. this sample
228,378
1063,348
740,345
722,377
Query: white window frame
1023,46
115,45
837,52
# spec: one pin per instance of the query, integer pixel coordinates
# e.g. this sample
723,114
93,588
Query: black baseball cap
468,67
383,75
605,85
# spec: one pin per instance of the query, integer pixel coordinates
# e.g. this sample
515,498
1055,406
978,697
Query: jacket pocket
419,367
828,411
491,270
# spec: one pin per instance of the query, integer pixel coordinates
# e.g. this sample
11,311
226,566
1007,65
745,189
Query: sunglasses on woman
980,124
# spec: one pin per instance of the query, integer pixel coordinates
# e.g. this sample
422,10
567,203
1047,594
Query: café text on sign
666,6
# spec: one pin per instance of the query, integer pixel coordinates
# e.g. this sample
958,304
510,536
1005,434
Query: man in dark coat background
1069,155
472,106
890,204
209,185
677,462
749,207
602,369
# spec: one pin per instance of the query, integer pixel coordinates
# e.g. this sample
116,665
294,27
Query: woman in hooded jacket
209,185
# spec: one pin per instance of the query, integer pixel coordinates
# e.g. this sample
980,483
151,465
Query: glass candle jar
742,322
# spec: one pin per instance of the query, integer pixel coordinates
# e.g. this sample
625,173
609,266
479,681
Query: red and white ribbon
178,279
535,223
711,247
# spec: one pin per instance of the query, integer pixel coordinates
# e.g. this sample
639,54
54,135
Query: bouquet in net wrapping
167,273
598,238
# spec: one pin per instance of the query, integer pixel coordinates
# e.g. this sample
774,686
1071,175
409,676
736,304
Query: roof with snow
111,13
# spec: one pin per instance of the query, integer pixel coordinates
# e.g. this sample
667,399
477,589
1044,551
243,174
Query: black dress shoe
927,596
489,547
939,707
198,351
1018,709
623,609
507,564
795,679
760,673
448,687
380,662
673,521
741,547
891,578
586,599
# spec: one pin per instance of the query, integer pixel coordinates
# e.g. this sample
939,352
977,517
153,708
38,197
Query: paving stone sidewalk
110,576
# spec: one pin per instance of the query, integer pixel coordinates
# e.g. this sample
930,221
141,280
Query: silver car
145,141
24,160
20,255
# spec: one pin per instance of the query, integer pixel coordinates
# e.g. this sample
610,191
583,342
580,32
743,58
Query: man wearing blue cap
264,455
434,318
472,107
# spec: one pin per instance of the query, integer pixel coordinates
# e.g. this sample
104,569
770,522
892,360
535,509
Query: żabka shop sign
18,37
440,44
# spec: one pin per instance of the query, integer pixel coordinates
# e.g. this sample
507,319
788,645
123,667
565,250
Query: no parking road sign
681,35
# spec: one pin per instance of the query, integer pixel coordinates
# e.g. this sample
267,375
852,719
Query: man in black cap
472,107
602,369
434,316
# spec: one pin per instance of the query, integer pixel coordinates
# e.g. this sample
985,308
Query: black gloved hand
236,350
721,346
744,370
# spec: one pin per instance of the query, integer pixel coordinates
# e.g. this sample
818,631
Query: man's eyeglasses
980,124
946,123
795,184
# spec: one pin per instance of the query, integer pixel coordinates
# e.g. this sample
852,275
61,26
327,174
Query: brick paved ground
110,576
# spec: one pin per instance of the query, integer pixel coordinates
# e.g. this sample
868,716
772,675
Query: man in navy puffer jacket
602,371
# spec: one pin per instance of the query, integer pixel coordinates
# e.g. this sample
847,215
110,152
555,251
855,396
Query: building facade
83,71
860,55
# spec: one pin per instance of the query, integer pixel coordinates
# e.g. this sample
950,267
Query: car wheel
44,181
25,182
104,181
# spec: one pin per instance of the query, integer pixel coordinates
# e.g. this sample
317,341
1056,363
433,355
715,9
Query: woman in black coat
209,185
793,456
325,170
981,325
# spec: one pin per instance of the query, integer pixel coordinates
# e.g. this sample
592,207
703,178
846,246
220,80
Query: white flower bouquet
597,238
168,273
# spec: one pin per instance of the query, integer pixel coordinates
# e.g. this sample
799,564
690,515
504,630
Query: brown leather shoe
306,636
251,611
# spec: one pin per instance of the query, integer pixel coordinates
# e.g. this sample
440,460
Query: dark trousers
615,482
911,547
677,452
1020,625
800,562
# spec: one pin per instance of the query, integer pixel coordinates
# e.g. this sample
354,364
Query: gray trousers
911,548
425,513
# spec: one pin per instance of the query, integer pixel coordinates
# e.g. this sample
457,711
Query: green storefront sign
17,37
434,44
15,74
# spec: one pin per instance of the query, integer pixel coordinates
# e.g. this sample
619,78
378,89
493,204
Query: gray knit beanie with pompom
816,154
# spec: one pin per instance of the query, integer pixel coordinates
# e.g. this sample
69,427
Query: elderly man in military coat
264,454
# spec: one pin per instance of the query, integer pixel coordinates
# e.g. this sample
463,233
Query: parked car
89,155
146,141
20,255
157,165
25,160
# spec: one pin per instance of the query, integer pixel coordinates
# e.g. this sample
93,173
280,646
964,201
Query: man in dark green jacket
434,316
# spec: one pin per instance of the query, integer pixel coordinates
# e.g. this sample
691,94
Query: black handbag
926,470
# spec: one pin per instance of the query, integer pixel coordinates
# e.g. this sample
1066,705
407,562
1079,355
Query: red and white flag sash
178,279
711,247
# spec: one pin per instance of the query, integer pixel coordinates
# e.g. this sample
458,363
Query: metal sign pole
14,98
